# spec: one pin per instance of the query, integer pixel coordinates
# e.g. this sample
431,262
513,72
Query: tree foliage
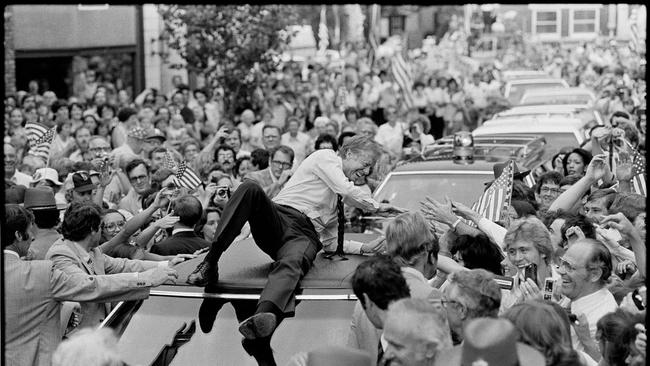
230,45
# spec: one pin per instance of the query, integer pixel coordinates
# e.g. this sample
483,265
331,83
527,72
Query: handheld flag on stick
41,146
34,132
186,177
638,174
169,162
494,202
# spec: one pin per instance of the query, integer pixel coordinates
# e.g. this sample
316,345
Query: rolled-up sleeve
329,170
495,232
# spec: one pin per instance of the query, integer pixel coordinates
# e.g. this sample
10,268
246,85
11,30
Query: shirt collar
181,230
11,252
273,178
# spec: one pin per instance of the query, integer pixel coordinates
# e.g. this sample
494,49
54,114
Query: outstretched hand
387,210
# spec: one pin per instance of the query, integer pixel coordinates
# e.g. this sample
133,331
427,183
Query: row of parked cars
547,115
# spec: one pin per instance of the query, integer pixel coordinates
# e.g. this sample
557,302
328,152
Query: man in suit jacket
35,290
273,178
183,240
78,253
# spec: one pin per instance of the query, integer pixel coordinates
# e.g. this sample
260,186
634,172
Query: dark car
148,328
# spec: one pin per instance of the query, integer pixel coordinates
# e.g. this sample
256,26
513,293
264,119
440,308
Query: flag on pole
373,38
323,36
34,132
494,202
403,77
185,177
638,177
169,162
41,146
529,180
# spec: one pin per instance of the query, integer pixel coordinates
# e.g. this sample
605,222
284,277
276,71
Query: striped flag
169,162
34,132
41,146
185,177
494,202
323,36
373,39
638,171
403,78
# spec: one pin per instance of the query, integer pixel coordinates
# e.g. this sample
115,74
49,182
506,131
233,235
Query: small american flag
638,171
34,132
41,146
185,177
494,202
169,162
529,180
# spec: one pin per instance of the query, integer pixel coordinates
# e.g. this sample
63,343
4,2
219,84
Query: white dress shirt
312,190
594,306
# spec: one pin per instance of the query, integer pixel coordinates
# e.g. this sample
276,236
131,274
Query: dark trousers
282,232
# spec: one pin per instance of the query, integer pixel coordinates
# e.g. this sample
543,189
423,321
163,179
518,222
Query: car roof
530,124
537,80
444,166
559,91
244,269
543,109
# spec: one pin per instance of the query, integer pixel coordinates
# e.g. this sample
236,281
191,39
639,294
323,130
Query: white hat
46,174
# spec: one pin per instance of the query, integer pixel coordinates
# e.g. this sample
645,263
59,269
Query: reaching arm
624,226
597,169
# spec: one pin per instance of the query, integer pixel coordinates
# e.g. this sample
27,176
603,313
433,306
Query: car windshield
156,321
518,90
556,99
557,140
408,190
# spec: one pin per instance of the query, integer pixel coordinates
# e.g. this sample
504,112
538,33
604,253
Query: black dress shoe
259,325
204,274
261,350
208,313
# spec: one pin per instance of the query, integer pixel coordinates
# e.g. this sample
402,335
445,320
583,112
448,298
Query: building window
584,21
396,24
547,22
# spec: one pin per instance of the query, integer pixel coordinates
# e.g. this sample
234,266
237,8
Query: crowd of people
104,216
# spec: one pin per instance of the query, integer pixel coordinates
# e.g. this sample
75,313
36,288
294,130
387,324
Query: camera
223,192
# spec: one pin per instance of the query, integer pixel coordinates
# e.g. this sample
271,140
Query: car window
408,190
155,323
518,90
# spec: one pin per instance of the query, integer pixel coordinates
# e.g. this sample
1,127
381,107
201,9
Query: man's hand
441,212
180,258
166,222
530,290
374,246
573,234
387,210
619,222
284,176
582,328
598,168
221,133
159,275
624,167
162,199
465,212
201,251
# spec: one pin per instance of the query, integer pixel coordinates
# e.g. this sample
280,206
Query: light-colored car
588,114
515,89
559,96
558,131
509,75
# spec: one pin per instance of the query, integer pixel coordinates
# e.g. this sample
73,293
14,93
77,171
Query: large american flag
638,177
494,202
41,146
185,177
403,78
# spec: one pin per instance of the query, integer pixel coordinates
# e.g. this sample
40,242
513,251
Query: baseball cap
82,181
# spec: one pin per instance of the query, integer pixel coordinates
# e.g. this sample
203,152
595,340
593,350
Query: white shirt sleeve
495,232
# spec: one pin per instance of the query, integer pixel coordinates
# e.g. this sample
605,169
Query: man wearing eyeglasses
273,178
585,269
138,173
548,189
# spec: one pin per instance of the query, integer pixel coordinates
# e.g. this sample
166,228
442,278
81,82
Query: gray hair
358,144
89,347
426,322
407,236
481,294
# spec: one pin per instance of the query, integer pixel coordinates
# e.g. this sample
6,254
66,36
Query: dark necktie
341,218
380,352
